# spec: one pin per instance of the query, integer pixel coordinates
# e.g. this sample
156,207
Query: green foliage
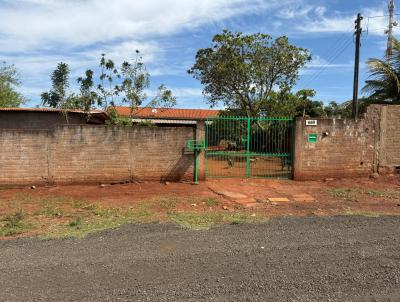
13,224
107,92
384,82
58,95
206,220
76,223
88,98
241,71
116,119
136,80
9,81
211,202
335,110
126,85
344,193
285,103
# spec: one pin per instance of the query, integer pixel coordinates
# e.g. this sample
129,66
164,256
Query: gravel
285,259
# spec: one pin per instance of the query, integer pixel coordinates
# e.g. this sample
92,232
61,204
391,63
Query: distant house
167,116
47,118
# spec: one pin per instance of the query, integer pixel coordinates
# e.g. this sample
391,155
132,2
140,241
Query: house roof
168,113
95,112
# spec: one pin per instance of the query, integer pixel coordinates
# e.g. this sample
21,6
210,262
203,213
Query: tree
242,71
384,81
9,80
106,91
87,98
59,96
136,80
127,86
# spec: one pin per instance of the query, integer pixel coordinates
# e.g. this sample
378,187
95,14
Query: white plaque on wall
311,122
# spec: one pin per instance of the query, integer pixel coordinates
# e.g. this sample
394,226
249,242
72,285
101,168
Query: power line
340,47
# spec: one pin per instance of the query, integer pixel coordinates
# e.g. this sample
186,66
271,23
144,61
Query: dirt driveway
286,259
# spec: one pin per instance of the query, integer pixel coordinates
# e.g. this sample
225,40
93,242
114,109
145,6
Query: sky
37,34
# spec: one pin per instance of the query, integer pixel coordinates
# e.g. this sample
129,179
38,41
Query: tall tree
87,98
58,96
383,84
107,92
136,80
242,71
9,81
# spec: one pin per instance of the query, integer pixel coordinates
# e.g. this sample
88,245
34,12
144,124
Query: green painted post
248,148
196,167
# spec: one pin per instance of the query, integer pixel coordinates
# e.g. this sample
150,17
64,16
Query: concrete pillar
298,148
201,135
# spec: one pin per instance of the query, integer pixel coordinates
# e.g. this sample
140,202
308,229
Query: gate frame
248,154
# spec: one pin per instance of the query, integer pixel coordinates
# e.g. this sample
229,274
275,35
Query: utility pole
389,31
357,33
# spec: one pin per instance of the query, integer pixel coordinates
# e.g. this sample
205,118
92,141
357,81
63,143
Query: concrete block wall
85,154
89,154
344,148
24,156
389,156
159,153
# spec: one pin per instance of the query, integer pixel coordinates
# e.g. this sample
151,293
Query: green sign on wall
312,138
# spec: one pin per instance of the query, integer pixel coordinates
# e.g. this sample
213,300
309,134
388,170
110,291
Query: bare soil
323,203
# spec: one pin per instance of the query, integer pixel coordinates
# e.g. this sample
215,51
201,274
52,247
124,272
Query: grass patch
211,202
201,221
13,225
363,213
59,217
343,193
384,193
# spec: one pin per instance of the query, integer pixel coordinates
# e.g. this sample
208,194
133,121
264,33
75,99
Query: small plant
384,193
51,211
211,202
348,194
76,223
13,224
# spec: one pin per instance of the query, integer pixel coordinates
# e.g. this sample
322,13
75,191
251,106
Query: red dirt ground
312,196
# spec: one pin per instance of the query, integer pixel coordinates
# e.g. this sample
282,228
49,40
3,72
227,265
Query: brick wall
87,153
389,152
344,148
23,156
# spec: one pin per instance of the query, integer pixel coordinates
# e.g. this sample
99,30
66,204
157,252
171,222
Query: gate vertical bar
248,147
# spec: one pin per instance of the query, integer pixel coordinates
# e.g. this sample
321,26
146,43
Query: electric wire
339,47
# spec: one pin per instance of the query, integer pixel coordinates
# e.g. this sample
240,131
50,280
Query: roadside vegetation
353,194
58,217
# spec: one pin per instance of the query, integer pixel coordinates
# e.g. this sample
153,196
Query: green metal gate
249,147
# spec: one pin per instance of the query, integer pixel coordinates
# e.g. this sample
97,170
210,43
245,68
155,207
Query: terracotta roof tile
170,113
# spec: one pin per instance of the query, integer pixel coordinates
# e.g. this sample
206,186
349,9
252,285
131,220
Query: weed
211,202
51,211
13,224
362,213
76,223
348,194
384,193
200,221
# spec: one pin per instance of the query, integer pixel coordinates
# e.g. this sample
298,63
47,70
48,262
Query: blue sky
37,34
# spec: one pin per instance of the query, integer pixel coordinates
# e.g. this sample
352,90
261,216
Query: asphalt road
288,259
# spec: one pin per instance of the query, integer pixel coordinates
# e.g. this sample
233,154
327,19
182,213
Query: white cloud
319,62
319,20
37,24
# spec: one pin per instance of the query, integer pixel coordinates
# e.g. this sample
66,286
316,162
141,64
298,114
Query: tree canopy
9,81
114,85
383,84
242,71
